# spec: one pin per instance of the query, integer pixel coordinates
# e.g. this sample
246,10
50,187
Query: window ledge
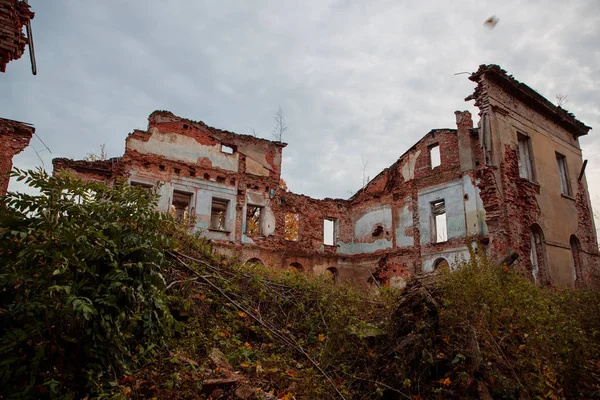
566,196
218,230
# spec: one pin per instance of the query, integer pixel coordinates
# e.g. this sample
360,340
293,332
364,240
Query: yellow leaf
242,314
244,365
447,382
248,346
321,337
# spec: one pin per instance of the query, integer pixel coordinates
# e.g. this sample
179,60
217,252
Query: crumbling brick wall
387,230
14,137
514,204
14,14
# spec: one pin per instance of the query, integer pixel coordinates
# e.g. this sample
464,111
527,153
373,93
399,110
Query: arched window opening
441,263
537,253
296,267
576,255
255,261
332,274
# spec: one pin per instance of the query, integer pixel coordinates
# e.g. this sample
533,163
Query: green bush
81,286
522,338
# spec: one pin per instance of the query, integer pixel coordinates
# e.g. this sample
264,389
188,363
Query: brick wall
14,15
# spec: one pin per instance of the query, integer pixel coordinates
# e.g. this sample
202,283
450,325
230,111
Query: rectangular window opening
218,214
525,157
292,222
434,154
180,207
440,228
226,149
563,172
329,231
253,220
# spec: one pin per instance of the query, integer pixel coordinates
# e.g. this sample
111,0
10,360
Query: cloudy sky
356,79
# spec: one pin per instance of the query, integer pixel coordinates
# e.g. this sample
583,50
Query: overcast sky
354,78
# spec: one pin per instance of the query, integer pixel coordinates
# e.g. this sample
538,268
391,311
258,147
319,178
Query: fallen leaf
321,337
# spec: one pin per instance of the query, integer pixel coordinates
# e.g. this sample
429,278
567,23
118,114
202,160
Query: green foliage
527,339
81,285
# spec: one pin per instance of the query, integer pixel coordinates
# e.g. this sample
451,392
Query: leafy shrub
523,339
81,287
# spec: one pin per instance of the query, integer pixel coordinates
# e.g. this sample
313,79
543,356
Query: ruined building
14,137
513,184
14,15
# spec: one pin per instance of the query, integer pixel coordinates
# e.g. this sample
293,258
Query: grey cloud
354,78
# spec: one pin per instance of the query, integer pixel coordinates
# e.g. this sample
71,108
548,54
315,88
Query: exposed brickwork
389,229
14,15
14,137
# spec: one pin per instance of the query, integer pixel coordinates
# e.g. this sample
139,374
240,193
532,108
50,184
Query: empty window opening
177,171
525,157
256,261
439,223
563,173
537,253
220,179
253,220
207,177
218,214
434,154
292,226
296,267
192,172
232,181
226,149
575,253
332,274
161,167
180,206
441,264
329,231
185,126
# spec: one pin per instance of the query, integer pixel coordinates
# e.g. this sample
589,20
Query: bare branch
561,99
364,171
280,125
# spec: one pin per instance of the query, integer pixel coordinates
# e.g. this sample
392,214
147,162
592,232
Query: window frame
563,175
225,203
434,221
439,155
260,221
190,207
334,240
525,157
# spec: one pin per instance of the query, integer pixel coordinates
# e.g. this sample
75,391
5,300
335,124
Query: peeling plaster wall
404,224
452,194
516,203
176,147
383,232
453,256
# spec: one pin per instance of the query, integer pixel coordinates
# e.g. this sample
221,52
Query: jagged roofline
213,129
99,166
399,160
529,96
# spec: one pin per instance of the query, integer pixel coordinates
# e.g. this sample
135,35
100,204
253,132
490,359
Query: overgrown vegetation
101,295
81,290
